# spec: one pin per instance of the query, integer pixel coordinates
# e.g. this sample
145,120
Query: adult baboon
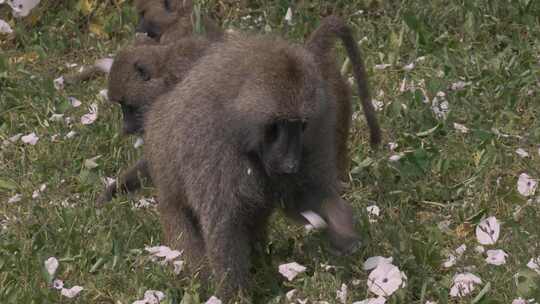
252,125
169,20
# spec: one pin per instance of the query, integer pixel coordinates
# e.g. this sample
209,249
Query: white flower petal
138,143
291,270
496,257
302,301
288,16
70,134
5,28
91,116
464,283
487,231
409,67
460,85
71,292
450,261
21,8
382,66
91,162
373,210
178,266
104,95
58,284
375,261
51,264
378,300
15,137
461,249
392,146
479,249
522,153
526,185
153,296
213,300
461,128
290,294
57,117
30,139
396,157
314,219
520,301
145,203
104,64
377,104
342,294
59,83
108,181
385,280
14,199
534,264
74,102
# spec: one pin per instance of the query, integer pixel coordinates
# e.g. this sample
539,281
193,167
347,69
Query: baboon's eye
167,5
142,71
271,132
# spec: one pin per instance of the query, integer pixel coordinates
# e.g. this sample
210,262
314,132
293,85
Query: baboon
139,74
252,125
169,20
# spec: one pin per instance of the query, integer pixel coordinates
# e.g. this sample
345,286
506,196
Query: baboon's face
155,16
135,81
281,146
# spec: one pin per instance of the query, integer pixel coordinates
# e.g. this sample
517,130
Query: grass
445,176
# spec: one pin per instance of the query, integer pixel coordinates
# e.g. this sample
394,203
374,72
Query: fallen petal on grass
213,300
487,231
464,283
342,293
496,257
385,279
526,185
291,270
375,261
51,265
5,28
30,139
59,83
71,292
522,153
14,199
314,219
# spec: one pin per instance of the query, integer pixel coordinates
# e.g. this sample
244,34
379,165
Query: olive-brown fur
205,152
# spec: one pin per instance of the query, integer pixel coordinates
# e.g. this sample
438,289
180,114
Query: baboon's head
135,81
288,83
157,16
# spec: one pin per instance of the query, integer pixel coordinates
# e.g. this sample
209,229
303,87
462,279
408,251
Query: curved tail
322,41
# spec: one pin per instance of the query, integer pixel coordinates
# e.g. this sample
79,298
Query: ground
458,86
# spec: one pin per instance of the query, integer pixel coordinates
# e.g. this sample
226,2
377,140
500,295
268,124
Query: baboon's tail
322,41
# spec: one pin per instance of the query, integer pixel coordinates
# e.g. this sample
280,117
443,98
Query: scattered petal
288,16
213,300
5,28
291,270
57,117
145,203
461,128
522,153
164,251
71,292
396,157
450,261
378,300
290,294
314,219
487,231
70,134
178,266
35,194
91,116
440,106
104,64
392,146
74,102
464,283
328,267
383,66
479,249
21,8
15,199
30,139
108,181
460,85
385,279
51,264
104,95
91,162
421,59
59,83
58,284
373,210
342,294
375,261
15,137
302,301
496,257
431,302
526,185
138,143
409,67
377,105
520,301
461,249
534,264
153,296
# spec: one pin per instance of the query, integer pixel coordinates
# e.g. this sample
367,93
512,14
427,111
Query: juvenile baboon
169,20
140,74
250,126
